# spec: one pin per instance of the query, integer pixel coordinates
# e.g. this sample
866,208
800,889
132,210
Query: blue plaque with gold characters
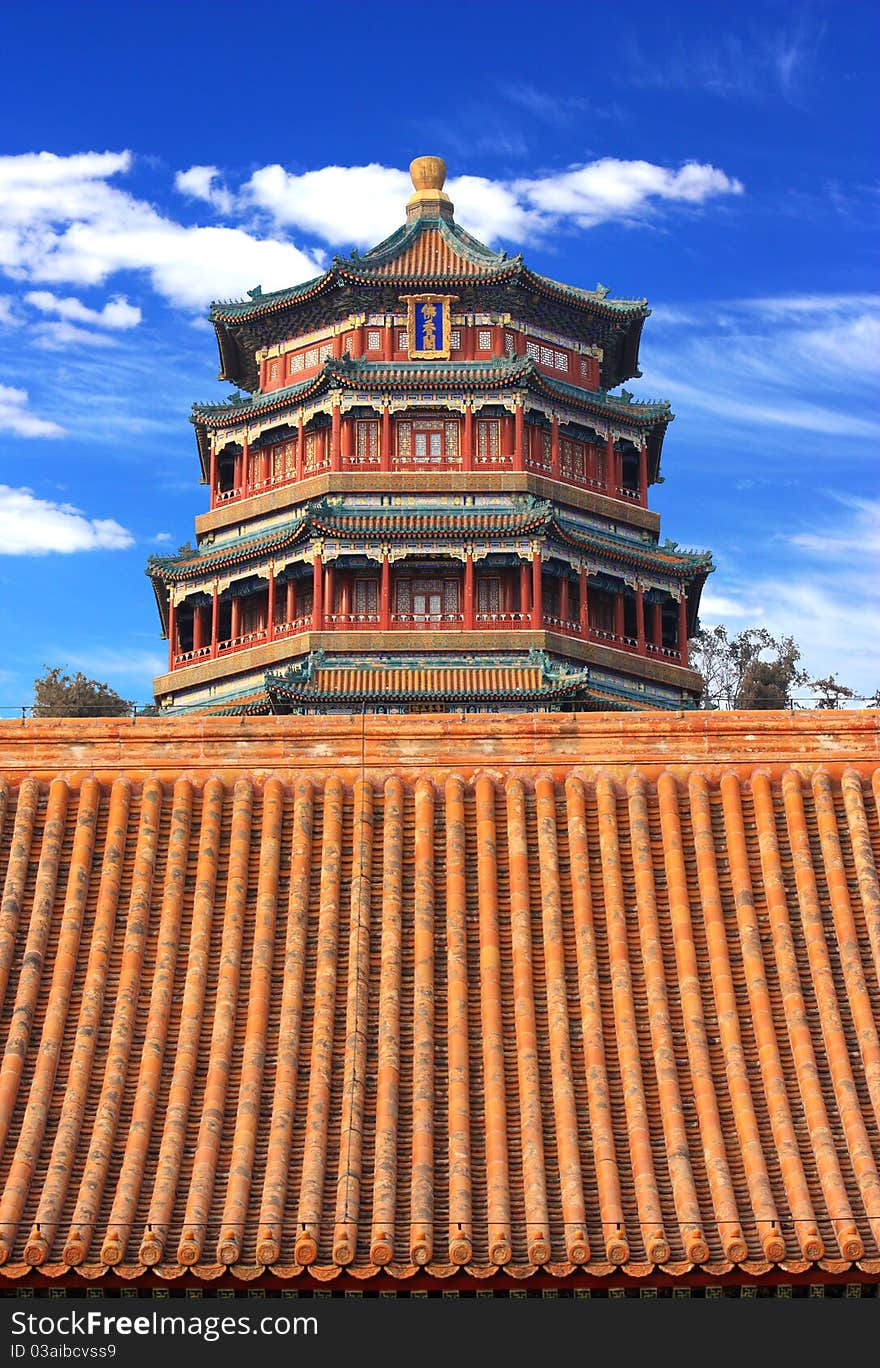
428,318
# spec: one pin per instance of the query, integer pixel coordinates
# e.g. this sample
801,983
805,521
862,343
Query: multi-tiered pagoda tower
425,497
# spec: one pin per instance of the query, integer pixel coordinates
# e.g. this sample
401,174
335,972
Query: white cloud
341,204
64,220
204,183
60,336
614,189
117,313
61,221
363,204
857,534
162,537
14,416
33,526
7,316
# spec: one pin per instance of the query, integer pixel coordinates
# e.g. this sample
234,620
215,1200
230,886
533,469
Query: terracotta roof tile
482,1002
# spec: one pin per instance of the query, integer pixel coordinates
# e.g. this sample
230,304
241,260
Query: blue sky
721,161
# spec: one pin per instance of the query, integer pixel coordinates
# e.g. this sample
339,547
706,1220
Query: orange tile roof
484,997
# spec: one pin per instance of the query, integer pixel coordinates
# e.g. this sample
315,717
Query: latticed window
571,459
533,350
296,363
367,439
546,356
402,341
366,598
325,350
273,371
373,339
311,357
488,438
484,340
283,461
455,338
585,368
488,596
427,439
509,344
560,360
311,450
546,449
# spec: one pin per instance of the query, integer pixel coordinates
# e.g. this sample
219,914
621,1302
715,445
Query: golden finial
428,199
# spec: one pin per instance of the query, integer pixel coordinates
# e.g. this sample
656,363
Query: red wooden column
235,629
610,463
336,346
270,624
388,341
215,619
300,446
213,477
643,476
172,632
197,629
554,448
245,467
347,438
640,619
523,587
657,632
335,437
385,595
469,592
537,602
317,594
357,343
519,436
563,598
467,455
585,606
683,627
499,340
290,606
329,590
385,440
618,613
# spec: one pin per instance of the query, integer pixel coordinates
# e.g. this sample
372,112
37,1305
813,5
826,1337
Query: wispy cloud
30,526
754,64
795,362
827,594
15,416
106,663
117,313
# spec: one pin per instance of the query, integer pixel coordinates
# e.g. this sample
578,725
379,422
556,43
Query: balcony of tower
396,448
407,601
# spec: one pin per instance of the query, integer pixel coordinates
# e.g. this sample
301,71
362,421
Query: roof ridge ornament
428,200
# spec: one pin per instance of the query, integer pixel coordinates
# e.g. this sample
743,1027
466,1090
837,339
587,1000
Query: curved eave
160,590
239,552
684,567
441,375
231,314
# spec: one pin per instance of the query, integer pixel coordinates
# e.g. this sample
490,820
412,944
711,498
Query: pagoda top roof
426,252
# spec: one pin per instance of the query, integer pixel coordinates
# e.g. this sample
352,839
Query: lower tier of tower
333,676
